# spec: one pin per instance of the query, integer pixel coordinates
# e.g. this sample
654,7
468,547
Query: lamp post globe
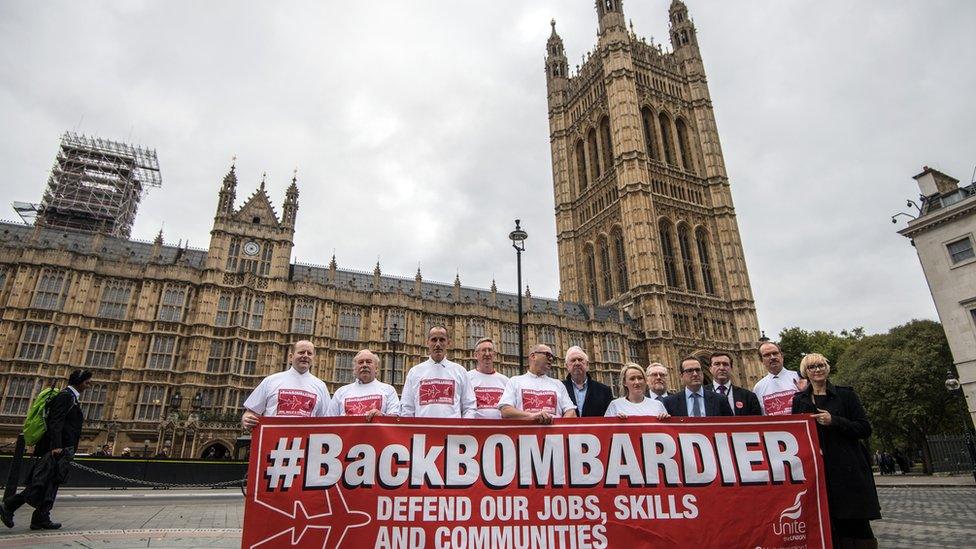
518,238
954,387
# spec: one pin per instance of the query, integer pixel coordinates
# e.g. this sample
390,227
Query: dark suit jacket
746,402
714,404
64,419
598,396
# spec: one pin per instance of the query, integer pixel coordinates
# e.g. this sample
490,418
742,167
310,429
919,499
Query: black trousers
38,492
850,529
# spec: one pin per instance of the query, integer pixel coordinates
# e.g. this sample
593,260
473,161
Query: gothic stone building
644,213
651,268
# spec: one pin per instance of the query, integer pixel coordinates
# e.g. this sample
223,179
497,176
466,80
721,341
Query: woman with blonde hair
634,386
841,425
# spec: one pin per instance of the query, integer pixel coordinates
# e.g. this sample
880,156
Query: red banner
576,484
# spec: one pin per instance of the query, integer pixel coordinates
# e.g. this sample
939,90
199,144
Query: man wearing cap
55,450
534,395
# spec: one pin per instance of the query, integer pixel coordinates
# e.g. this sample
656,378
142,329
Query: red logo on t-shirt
778,404
538,401
487,397
436,391
358,406
295,402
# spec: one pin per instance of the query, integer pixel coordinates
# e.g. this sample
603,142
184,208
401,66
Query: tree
900,377
796,342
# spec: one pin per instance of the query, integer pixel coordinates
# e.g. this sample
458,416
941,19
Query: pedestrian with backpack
54,452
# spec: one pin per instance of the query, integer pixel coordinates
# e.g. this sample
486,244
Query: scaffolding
96,185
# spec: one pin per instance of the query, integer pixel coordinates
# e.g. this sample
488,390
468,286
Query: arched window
701,239
595,169
623,284
687,261
591,273
684,146
666,138
581,175
607,144
606,268
667,252
647,117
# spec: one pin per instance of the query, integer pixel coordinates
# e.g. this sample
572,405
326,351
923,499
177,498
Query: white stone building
943,236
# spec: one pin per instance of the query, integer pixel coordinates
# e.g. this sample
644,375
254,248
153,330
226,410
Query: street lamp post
394,340
518,237
954,387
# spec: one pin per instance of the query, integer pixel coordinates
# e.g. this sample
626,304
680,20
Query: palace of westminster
650,261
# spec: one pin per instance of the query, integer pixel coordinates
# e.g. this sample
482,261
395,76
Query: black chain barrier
227,483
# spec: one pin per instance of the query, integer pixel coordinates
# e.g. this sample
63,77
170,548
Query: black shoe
46,526
6,516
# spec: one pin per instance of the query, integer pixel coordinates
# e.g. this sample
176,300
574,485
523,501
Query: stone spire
290,209
228,192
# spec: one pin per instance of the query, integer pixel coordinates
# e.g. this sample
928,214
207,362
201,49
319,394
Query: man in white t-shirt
367,396
437,387
296,392
775,391
534,395
486,383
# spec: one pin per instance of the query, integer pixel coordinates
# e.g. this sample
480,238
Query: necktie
722,389
696,410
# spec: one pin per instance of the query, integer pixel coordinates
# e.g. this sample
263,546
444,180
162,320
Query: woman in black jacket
841,424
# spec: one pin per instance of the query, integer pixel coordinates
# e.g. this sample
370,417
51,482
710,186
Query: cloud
420,130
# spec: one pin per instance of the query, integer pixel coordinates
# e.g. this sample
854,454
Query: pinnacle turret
228,192
289,211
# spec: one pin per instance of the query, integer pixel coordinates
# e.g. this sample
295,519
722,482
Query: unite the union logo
789,524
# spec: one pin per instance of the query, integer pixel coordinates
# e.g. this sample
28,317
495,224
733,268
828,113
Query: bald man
296,392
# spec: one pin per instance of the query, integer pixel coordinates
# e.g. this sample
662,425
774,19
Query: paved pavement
915,516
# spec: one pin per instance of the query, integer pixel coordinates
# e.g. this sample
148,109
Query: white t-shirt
531,393
488,389
437,389
647,407
775,392
357,398
289,394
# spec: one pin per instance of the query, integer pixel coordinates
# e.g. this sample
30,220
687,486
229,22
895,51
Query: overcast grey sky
420,131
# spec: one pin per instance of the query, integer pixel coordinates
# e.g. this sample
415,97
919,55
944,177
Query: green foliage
899,376
796,342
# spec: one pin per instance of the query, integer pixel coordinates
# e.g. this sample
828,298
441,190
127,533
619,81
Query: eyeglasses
550,356
817,367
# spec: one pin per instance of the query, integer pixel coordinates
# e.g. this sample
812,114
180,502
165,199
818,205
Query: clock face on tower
251,248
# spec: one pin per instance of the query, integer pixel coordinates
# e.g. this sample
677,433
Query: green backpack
36,423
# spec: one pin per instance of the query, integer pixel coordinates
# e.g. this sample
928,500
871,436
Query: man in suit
55,451
694,401
591,397
657,379
742,401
